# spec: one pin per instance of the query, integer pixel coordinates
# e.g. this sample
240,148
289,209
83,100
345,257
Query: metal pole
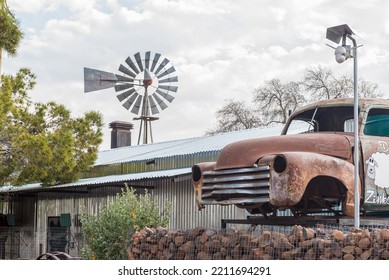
356,138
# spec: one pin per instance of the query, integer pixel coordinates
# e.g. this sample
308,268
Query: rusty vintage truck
309,168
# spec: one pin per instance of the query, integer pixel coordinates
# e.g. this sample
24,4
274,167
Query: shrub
107,236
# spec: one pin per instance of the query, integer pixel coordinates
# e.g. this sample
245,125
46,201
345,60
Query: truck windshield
338,118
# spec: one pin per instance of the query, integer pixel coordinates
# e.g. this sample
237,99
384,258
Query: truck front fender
291,172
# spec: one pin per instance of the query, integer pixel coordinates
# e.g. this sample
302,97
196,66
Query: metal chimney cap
121,125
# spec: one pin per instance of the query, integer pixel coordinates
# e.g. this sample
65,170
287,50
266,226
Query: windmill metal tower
144,88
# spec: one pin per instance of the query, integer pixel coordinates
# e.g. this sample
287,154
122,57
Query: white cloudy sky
221,49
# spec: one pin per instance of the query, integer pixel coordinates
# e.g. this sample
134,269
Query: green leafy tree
10,32
107,235
41,142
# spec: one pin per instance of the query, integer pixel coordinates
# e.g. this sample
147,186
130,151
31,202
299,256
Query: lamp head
340,54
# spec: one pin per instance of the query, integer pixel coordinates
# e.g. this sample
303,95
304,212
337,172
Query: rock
365,255
203,256
209,233
384,254
309,233
217,256
189,246
338,235
364,243
292,254
384,234
310,254
178,240
130,256
323,243
306,244
297,233
348,250
258,253
348,257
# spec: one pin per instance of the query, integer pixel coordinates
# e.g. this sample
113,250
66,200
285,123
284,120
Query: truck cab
309,168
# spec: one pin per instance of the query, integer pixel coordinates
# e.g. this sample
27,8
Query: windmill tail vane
145,87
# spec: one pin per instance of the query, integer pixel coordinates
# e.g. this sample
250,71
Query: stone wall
299,243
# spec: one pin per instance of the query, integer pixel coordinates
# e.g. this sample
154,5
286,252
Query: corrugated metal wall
179,193
185,213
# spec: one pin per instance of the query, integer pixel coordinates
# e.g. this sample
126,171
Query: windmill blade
125,94
123,78
137,105
132,65
153,106
147,60
169,80
167,96
168,71
159,101
123,87
168,88
139,61
127,71
162,65
155,61
97,79
130,101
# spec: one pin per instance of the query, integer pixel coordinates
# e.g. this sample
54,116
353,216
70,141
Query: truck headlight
279,163
196,173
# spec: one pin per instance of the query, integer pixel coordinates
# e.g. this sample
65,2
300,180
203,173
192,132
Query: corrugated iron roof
182,147
100,180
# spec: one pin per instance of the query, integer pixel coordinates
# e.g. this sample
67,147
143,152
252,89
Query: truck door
375,159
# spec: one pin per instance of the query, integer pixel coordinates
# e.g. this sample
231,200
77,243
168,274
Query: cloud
221,49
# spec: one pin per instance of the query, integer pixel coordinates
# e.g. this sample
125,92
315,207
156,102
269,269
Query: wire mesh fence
27,243
262,243
235,243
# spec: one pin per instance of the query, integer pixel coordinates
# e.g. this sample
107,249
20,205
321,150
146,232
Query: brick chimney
120,134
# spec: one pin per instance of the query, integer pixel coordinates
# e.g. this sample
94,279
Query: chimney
120,134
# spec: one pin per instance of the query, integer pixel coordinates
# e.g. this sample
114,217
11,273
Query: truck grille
236,186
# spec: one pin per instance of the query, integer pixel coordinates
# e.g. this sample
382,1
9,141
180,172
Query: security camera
340,54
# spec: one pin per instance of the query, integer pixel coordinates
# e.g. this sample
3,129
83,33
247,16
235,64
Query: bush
107,235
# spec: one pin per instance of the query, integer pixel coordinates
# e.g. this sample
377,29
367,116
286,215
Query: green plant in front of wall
107,235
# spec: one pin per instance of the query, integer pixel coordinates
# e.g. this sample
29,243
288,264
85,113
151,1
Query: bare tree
320,83
235,115
368,90
277,99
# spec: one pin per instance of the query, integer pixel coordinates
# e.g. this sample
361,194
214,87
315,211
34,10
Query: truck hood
247,152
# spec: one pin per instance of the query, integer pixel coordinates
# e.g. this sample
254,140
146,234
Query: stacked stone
228,244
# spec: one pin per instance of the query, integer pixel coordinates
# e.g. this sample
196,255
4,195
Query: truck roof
363,103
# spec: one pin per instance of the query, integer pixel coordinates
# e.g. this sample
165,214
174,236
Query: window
377,123
336,118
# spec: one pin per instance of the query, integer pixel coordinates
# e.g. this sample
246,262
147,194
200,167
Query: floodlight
340,54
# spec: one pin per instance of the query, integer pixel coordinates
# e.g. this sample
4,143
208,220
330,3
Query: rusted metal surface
55,256
247,152
311,172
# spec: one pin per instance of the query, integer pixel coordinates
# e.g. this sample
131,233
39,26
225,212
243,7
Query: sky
221,50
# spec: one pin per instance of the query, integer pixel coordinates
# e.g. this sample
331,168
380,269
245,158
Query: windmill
143,87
